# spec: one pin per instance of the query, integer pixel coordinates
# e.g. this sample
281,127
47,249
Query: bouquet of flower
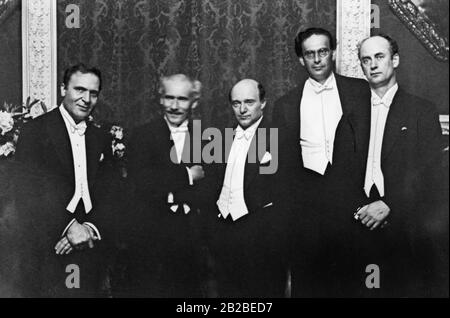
12,118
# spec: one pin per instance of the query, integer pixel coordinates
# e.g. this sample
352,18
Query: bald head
393,46
249,81
247,98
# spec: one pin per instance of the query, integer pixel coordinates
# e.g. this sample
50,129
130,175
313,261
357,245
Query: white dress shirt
78,145
178,135
231,200
379,113
320,113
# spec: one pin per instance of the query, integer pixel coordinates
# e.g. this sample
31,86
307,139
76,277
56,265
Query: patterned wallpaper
11,57
134,42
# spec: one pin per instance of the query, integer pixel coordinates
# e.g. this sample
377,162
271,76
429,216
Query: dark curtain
216,41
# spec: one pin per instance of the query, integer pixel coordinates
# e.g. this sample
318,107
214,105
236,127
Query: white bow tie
321,88
378,102
176,130
240,133
80,129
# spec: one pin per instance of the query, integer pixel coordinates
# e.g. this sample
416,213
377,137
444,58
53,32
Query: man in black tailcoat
317,129
164,216
62,226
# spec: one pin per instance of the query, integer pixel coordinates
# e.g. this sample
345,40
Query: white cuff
191,180
93,227
67,227
186,208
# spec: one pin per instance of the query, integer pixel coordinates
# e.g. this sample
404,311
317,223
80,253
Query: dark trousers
249,261
390,250
45,274
166,256
321,238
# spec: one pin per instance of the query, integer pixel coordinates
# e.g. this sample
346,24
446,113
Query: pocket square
266,158
102,157
267,205
170,198
404,128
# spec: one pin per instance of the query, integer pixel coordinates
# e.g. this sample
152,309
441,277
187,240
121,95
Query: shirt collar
250,130
69,120
330,83
387,99
183,127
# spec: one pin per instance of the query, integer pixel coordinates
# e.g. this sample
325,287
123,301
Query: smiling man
315,124
63,150
164,213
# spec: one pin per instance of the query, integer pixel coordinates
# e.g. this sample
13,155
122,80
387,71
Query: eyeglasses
247,102
170,99
310,55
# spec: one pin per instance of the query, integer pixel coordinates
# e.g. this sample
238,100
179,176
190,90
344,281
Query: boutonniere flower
116,132
118,146
118,149
6,122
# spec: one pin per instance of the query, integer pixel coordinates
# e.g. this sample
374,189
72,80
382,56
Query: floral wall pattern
11,55
134,42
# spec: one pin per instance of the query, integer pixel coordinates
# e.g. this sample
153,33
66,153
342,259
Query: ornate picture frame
420,17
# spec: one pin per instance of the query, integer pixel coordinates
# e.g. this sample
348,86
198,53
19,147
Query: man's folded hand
78,235
63,247
197,172
374,214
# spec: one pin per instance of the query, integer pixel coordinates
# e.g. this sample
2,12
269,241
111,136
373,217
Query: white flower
7,149
6,122
118,149
117,132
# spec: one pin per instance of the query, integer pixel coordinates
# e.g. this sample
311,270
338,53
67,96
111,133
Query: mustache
174,112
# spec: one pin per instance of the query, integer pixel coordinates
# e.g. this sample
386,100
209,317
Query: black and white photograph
241,151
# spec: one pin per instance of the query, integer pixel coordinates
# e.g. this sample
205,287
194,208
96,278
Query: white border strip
39,60
352,25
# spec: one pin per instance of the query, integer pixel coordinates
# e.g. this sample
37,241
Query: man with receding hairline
248,225
65,151
401,138
165,242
